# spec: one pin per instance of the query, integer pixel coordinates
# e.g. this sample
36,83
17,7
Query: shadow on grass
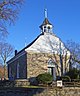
20,91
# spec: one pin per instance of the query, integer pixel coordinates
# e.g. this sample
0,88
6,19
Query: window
10,75
18,70
45,29
51,63
48,27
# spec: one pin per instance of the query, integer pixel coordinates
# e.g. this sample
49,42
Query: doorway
52,69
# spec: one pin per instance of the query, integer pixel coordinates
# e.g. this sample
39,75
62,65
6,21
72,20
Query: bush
66,78
33,81
44,78
73,74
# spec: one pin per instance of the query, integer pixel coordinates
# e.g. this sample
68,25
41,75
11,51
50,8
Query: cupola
46,26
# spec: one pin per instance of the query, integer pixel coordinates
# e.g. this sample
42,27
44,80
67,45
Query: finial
45,10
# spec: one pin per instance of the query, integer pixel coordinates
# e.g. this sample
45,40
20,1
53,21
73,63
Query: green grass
32,86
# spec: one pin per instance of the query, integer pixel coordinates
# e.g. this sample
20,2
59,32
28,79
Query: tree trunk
61,63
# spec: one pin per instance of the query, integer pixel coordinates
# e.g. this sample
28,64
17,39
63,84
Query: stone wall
67,91
14,83
32,64
37,63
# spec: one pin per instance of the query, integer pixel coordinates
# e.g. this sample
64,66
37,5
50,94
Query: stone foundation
21,83
15,83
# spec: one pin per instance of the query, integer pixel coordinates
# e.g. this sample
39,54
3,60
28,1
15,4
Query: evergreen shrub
44,78
66,78
73,73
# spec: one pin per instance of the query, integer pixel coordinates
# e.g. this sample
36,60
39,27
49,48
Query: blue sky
63,14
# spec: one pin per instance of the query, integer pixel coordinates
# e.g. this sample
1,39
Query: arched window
51,63
44,28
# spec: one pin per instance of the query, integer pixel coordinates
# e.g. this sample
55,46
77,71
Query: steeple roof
45,22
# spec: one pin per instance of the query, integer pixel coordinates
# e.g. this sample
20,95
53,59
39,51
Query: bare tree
8,13
6,51
75,51
60,54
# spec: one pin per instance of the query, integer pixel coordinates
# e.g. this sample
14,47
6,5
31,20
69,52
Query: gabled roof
45,43
25,47
30,43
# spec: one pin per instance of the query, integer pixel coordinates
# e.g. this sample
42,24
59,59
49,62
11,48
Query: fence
71,84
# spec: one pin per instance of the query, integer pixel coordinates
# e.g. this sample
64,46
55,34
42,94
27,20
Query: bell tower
46,26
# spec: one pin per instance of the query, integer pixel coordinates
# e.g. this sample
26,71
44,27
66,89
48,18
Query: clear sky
63,14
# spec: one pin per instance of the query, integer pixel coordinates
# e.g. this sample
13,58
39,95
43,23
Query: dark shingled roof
46,21
26,46
31,43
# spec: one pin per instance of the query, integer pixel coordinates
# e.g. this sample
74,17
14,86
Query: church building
47,53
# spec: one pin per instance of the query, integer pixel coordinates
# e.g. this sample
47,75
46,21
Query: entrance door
51,68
